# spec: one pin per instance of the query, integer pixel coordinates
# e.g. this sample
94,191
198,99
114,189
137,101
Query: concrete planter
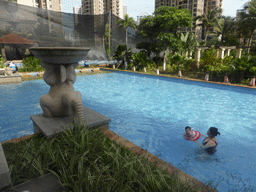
179,73
2,71
252,83
206,77
10,79
226,79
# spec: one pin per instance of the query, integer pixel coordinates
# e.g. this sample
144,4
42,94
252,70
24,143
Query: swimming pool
152,112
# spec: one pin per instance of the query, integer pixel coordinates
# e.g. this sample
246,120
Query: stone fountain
62,104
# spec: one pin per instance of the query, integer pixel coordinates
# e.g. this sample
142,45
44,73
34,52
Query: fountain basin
59,55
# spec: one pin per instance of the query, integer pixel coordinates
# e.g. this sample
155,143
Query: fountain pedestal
62,104
52,127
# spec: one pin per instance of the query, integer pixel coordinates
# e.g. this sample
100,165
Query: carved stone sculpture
62,100
60,63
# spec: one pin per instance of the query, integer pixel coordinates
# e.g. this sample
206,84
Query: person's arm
203,135
209,144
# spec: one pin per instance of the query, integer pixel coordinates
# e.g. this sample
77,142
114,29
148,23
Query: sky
136,7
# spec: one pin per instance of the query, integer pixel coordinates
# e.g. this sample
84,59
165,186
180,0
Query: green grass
86,160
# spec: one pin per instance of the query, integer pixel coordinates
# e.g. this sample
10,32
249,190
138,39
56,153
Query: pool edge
182,78
184,177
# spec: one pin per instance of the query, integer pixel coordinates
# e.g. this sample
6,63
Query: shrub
178,61
243,69
140,60
31,64
246,81
80,67
2,62
209,59
191,66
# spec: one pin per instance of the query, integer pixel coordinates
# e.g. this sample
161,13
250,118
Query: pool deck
15,78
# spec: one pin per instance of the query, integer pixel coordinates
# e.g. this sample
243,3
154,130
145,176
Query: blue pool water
152,112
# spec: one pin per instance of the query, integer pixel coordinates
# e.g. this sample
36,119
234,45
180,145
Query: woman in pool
210,142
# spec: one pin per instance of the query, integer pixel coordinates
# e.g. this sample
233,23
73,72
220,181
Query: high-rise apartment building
141,16
197,8
124,10
76,10
53,5
98,7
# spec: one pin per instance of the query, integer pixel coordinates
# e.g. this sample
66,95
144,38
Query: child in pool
190,134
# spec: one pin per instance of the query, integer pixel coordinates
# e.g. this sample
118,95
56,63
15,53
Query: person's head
213,132
187,129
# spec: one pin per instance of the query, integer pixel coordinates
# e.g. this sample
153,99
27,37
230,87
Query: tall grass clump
86,160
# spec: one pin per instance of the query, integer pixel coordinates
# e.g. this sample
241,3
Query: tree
247,22
161,30
128,21
140,59
168,20
147,28
208,20
121,53
226,26
107,36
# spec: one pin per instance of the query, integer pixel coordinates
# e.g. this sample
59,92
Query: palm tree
107,37
247,23
225,27
128,21
208,20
